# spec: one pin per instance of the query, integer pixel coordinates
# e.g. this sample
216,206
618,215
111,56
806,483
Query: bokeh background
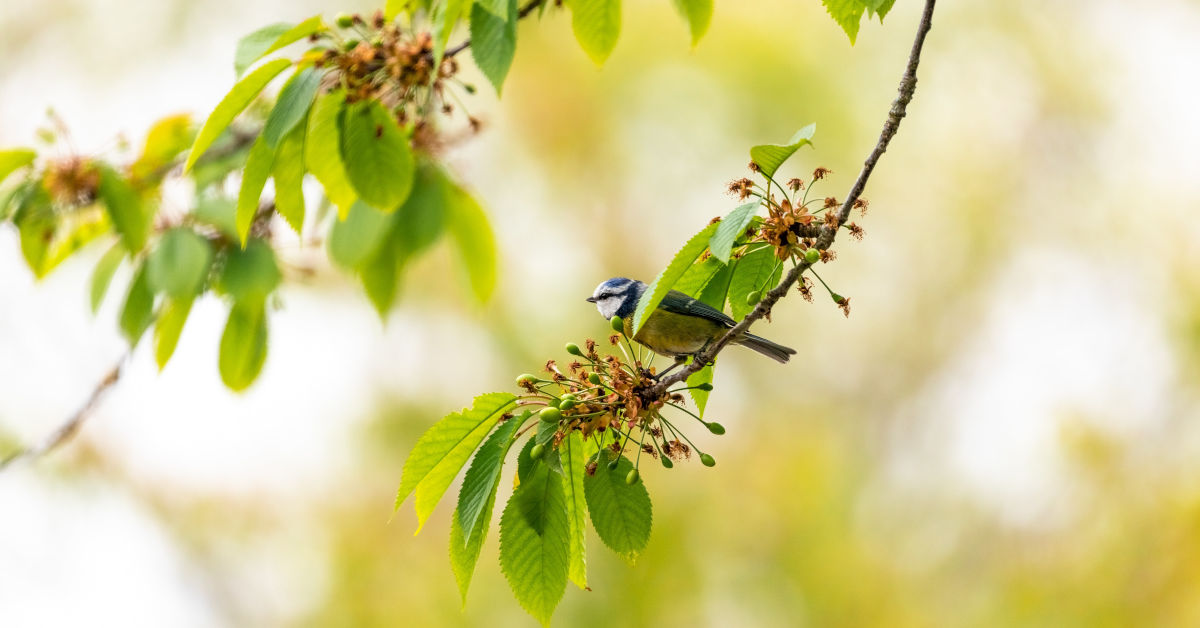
1003,433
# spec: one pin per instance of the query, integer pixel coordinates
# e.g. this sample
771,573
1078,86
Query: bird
680,326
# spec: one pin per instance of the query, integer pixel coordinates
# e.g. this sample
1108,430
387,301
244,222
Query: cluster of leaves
356,115
574,463
572,468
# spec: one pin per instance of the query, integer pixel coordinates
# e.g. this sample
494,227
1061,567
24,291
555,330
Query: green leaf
126,210
323,153
268,39
217,212
445,16
354,241
525,462
597,24
847,14
464,553
444,448
295,99
380,278
178,265
483,476
172,315
700,397
717,288
574,462
721,242
392,8
250,274
494,41
234,102
770,157
288,172
698,276
698,14
376,154
671,274
620,512
254,46
476,245
534,542
103,274
422,217
254,179
13,159
880,8
169,137
498,8
243,343
752,273
138,311
36,225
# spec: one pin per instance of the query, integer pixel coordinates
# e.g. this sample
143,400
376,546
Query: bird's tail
776,352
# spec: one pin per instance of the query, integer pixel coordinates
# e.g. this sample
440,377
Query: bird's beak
591,299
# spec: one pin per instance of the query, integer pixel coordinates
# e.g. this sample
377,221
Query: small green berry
344,20
706,387
573,349
715,428
594,378
550,415
618,324
707,460
837,298
812,256
612,466
667,462
537,451
632,477
350,44
753,298
567,404
527,378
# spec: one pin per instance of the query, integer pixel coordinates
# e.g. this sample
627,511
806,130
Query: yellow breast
670,334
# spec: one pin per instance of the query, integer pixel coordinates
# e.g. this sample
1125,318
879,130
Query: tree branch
908,85
525,10
72,425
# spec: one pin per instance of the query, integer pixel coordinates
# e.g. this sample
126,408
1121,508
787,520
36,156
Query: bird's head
617,297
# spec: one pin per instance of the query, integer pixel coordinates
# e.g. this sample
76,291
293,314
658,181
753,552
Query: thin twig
525,10
72,425
908,85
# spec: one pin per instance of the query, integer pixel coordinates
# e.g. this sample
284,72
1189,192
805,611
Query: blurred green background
1003,433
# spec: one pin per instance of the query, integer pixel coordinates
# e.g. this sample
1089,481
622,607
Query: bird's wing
680,303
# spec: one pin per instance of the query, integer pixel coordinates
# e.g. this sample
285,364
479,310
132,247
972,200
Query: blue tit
681,326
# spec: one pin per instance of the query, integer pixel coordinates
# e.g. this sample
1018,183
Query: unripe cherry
618,324
753,298
573,349
715,428
594,378
632,477
812,256
707,460
527,378
537,451
666,462
550,415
